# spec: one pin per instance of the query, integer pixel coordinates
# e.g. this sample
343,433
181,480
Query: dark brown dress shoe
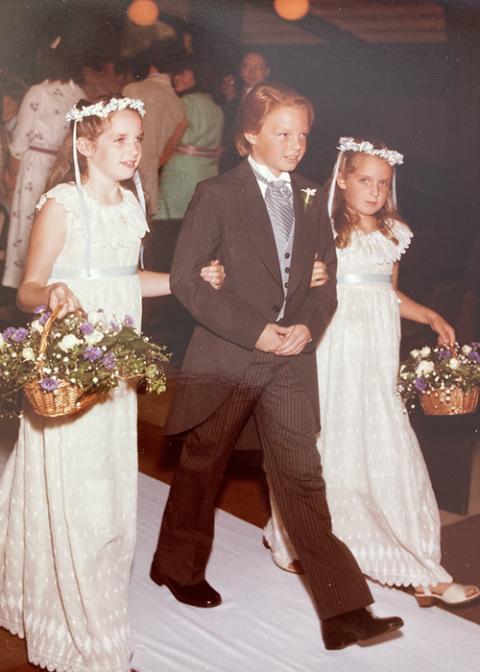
356,626
199,594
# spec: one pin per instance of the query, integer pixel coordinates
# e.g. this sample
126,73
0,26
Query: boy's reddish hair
257,105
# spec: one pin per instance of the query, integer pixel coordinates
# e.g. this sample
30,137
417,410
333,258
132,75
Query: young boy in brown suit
254,353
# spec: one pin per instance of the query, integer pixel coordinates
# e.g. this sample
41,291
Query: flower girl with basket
68,494
378,489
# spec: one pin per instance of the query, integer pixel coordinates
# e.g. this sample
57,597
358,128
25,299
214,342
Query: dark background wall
422,99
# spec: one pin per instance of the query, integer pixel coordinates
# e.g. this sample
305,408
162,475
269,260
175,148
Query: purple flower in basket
92,353
49,384
40,309
20,335
443,353
128,321
9,332
420,384
87,328
43,319
474,356
109,361
114,326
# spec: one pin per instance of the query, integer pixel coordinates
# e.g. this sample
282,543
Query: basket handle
44,338
47,328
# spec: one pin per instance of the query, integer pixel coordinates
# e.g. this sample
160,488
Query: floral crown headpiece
102,109
350,145
347,144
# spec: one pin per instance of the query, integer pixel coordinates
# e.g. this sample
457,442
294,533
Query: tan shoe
456,593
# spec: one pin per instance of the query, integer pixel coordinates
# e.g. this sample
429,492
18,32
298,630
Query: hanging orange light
143,12
291,10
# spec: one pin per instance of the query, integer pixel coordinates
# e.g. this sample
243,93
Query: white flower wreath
350,145
102,109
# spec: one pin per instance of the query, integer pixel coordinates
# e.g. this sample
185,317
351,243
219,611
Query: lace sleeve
65,194
403,234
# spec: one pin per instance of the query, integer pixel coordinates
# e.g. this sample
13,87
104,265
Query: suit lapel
251,208
301,241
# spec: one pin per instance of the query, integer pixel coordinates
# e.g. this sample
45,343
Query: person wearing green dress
195,157
190,156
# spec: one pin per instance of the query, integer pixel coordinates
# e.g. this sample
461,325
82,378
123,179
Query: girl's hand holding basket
61,296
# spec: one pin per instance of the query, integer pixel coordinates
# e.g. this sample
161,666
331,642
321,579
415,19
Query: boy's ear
85,146
251,138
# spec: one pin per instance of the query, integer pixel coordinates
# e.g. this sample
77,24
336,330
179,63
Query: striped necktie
279,202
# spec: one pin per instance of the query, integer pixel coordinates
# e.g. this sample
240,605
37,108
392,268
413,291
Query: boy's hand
271,338
295,339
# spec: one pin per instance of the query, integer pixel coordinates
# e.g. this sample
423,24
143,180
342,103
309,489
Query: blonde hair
344,219
257,105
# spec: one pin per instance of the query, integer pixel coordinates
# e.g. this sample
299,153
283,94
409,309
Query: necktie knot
280,187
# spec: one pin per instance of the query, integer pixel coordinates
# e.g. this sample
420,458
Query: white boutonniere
307,195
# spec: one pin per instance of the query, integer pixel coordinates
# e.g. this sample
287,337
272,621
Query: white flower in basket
28,354
68,342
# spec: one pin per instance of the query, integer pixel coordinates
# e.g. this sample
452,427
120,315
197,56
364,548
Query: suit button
276,309
287,270
286,285
287,255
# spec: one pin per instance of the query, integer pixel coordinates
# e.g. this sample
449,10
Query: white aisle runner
267,622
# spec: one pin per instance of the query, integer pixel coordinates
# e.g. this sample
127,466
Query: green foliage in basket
88,351
439,368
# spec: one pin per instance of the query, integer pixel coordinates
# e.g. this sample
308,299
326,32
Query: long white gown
378,489
39,133
68,493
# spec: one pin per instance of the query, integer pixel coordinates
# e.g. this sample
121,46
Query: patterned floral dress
378,489
39,133
68,493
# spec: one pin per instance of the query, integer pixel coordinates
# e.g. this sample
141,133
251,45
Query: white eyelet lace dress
68,494
378,488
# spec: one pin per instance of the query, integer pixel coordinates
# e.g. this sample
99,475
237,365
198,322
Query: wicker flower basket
453,401
66,399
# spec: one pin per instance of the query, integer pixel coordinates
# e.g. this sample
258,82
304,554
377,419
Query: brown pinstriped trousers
285,421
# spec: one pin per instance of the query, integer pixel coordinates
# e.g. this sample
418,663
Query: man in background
164,115
254,69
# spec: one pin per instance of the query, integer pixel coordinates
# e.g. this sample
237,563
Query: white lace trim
365,247
52,664
390,567
118,225
59,666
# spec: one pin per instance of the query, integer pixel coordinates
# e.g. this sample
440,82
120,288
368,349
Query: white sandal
454,594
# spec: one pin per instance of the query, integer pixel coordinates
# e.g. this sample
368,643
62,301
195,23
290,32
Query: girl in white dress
378,489
68,494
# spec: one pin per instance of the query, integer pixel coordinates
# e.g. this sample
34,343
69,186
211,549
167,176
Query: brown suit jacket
227,219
